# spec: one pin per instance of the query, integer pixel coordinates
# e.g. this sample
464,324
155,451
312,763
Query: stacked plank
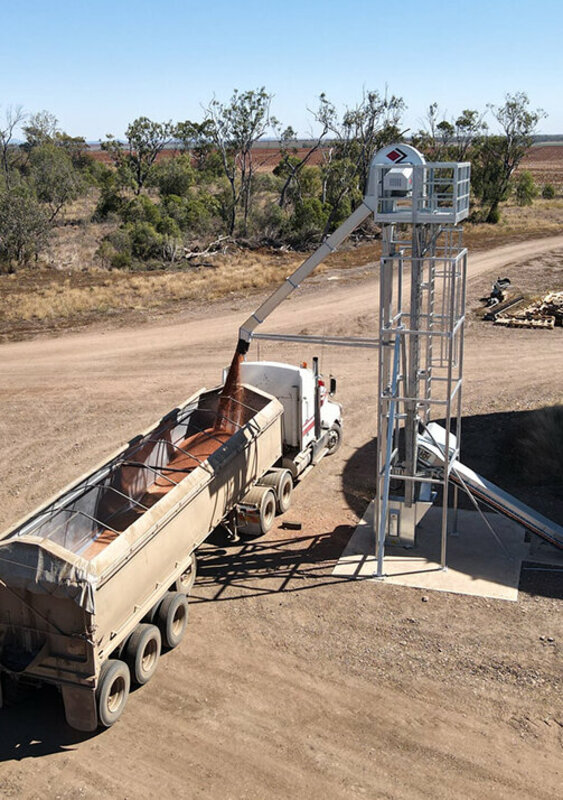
544,313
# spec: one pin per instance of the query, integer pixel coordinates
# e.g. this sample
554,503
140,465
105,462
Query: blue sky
98,65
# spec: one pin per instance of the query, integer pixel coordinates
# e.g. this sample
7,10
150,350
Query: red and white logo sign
396,155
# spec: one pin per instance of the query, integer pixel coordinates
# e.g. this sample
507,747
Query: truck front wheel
334,439
112,692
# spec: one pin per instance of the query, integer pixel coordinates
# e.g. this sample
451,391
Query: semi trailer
94,583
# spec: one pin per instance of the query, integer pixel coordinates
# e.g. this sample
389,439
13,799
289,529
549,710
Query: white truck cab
312,420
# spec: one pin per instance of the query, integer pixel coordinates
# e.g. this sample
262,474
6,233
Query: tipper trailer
95,582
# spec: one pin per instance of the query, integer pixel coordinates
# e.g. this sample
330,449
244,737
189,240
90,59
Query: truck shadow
36,727
247,568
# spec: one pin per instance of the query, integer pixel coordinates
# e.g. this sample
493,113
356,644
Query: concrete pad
477,564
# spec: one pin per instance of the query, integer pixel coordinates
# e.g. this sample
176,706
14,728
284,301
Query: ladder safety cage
422,306
420,193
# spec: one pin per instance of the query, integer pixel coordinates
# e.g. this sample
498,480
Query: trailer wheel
142,652
282,482
264,501
186,580
112,692
172,618
334,439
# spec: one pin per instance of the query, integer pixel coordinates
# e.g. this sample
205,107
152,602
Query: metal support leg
388,448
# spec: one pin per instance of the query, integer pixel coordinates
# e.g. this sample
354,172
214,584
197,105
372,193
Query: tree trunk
492,215
283,192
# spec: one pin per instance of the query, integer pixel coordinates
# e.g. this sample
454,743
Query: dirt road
292,683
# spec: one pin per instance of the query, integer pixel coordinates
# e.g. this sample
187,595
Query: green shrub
548,191
57,182
121,261
310,182
120,240
201,208
192,213
169,227
267,182
100,174
211,168
105,252
110,203
526,189
174,175
24,225
174,207
284,166
493,217
141,209
115,250
308,220
343,211
146,241
134,241
272,222
224,200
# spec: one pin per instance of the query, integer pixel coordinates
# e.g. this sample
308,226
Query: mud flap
80,707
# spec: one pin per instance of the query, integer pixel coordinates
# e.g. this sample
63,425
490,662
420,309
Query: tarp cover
28,566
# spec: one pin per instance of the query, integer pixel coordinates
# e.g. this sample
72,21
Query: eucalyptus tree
145,140
233,129
500,154
13,118
355,136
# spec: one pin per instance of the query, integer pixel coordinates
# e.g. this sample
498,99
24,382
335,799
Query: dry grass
100,291
543,218
75,239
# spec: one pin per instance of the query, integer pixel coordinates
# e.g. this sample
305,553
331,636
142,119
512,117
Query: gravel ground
292,683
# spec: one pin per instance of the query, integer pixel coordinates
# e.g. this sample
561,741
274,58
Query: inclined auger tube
302,272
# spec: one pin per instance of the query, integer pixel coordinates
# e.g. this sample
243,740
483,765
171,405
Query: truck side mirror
332,387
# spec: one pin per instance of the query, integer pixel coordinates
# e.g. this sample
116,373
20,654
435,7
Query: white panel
284,382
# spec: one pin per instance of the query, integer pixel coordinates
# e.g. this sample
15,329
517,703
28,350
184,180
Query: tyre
259,520
186,580
172,618
281,482
112,692
142,651
334,439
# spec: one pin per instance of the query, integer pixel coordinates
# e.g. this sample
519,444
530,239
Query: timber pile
544,313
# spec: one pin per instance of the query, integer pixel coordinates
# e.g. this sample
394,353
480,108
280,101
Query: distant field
545,162
266,158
